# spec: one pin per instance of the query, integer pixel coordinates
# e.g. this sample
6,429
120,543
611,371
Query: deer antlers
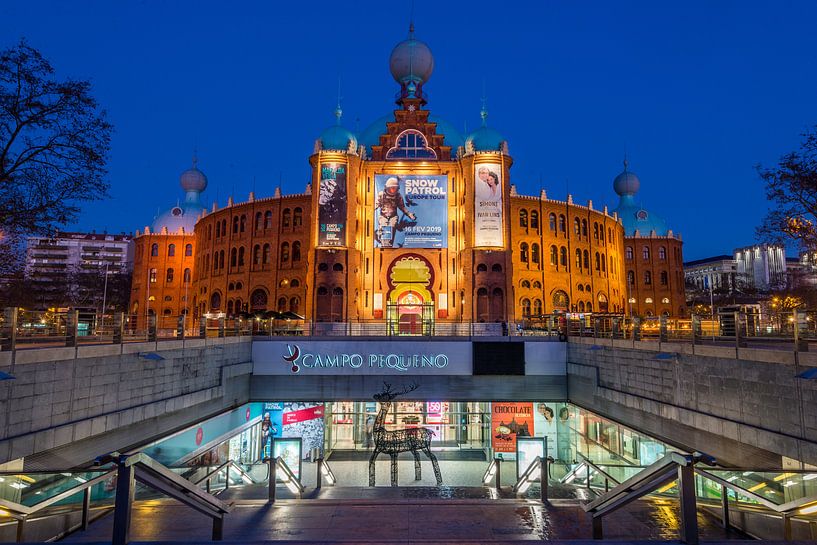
387,394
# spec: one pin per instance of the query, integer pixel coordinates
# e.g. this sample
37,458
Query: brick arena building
410,224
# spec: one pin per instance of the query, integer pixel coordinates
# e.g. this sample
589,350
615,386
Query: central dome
411,60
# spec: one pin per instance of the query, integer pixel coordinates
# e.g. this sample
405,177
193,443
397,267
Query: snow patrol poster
411,211
332,206
509,421
488,205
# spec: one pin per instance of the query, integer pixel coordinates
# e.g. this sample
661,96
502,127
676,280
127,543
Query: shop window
171,250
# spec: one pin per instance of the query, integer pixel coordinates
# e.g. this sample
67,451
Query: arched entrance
410,304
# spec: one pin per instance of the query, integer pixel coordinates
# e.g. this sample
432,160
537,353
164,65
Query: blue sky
696,92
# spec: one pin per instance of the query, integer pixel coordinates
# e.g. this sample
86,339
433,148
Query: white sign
361,358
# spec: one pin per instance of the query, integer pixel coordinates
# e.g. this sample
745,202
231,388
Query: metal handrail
21,513
226,465
585,462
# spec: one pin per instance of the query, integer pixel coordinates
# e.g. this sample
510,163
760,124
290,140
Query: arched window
186,276
241,256
215,301
482,305
647,278
584,228
482,267
628,253
322,291
218,230
496,267
662,253
287,217
645,253
235,224
266,256
221,259
525,307
259,221
233,258
562,223
171,250
596,230
188,250
215,262
238,285
258,300
230,308
296,251
295,283
580,287
268,220
282,304
323,267
537,307
336,305
525,284
603,263
554,256
581,306
589,307
664,278
154,250
598,262
243,225
534,219
224,227
152,276
537,285
578,259
563,256
560,300
337,267
410,144
523,218
497,305
209,234
256,254
577,227
284,252
297,219
552,220
534,253
294,304
523,252
630,278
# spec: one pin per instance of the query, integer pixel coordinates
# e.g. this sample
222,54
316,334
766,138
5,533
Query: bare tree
54,140
791,187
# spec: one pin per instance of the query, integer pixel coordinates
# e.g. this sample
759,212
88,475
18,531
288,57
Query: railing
142,468
287,477
223,469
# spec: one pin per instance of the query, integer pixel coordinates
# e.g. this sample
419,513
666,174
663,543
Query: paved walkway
393,518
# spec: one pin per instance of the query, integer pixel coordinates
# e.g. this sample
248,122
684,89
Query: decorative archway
410,304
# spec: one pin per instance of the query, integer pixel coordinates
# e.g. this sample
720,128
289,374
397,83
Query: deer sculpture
395,442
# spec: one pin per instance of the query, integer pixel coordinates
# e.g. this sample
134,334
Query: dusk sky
697,93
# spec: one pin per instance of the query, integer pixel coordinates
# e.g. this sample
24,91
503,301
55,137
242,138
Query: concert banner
332,206
411,211
488,205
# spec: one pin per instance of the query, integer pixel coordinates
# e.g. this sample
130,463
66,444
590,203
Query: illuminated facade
407,223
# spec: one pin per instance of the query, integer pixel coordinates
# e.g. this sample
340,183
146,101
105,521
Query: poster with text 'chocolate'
509,421
488,205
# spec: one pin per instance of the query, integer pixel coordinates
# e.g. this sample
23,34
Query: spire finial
411,21
338,110
626,161
195,156
483,113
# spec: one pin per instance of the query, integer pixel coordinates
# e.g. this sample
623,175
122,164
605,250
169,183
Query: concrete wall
69,405
746,412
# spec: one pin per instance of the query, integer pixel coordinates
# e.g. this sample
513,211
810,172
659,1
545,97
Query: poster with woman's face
488,205
544,424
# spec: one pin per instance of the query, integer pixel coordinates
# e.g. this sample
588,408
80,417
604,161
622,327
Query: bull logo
292,357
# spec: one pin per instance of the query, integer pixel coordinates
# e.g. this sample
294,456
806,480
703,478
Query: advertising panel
291,451
508,421
488,205
304,420
544,424
411,211
332,205
527,449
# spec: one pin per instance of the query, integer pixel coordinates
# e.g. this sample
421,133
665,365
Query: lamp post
105,291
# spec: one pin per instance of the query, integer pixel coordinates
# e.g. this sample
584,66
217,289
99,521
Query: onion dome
634,216
411,60
626,183
484,138
336,137
185,214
